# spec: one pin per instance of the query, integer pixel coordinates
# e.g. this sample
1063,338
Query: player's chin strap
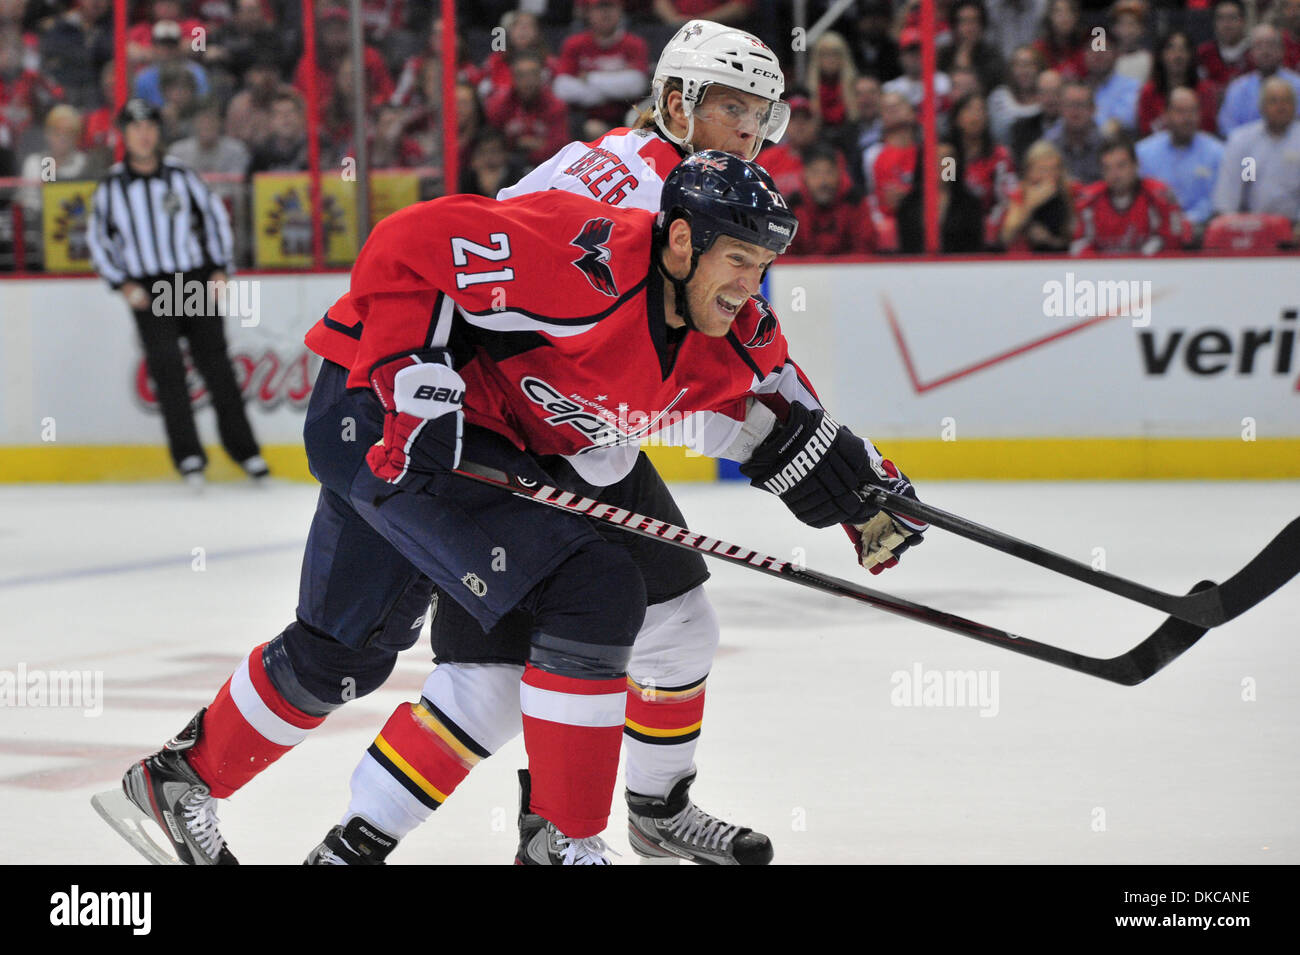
680,304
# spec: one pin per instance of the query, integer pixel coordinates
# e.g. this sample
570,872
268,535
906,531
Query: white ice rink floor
803,738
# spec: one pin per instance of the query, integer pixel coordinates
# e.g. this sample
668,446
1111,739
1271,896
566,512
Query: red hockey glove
423,399
883,537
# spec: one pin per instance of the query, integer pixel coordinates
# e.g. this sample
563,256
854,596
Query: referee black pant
160,336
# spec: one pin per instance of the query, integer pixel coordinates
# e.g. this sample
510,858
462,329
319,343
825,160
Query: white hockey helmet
702,53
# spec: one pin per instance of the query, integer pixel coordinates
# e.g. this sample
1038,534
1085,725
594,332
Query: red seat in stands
1247,232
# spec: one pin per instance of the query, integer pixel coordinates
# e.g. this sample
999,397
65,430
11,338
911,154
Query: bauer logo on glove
424,399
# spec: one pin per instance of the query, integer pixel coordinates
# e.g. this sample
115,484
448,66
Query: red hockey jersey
1152,222
554,313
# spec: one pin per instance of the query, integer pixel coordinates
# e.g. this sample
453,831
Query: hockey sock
660,733
246,728
414,764
572,730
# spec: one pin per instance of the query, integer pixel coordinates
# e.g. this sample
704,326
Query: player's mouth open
728,306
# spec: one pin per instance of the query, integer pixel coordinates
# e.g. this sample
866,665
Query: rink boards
981,369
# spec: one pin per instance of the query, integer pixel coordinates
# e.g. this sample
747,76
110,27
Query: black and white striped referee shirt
145,227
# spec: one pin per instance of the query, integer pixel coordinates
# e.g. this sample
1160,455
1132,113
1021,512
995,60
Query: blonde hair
64,116
1043,149
848,73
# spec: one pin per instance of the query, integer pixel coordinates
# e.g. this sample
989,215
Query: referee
153,220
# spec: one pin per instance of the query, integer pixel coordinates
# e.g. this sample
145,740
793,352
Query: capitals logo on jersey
765,330
594,262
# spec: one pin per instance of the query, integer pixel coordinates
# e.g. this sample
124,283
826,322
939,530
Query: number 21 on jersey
498,251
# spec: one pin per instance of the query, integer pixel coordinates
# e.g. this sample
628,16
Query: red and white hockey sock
660,733
246,729
414,764
572,730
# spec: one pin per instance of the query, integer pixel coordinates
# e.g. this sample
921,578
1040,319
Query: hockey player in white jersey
714,87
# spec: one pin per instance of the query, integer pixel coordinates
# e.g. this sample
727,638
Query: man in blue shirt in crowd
1241,100
1184,158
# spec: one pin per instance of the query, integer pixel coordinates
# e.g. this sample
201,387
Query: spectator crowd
1063,125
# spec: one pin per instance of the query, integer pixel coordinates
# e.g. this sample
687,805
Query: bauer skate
540,843
667,830
165,790
357,843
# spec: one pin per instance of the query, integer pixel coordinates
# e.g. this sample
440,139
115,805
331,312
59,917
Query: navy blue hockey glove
882,537
423,399
815,465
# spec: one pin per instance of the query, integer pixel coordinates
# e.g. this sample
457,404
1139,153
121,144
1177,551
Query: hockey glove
883,537
423,399
815,466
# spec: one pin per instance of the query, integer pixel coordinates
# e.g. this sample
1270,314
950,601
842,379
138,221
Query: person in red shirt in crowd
830,222
1174,67
1286,17
1125,213
100,134
784,160
380,19
830,76
676,13
1227,56
25,94
408,88
602,70
139,36
911,18
890,163
988,170
535,120
523,33
333,40
1063,41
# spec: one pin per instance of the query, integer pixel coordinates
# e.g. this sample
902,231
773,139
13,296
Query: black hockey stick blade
1153,654
1272,567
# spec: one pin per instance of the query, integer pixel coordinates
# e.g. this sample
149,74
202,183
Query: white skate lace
696,826
589,851
200,813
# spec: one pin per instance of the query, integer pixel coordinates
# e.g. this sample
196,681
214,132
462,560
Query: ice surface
802,736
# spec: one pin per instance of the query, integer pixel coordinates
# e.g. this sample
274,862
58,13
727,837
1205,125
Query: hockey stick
1272,567
1153,654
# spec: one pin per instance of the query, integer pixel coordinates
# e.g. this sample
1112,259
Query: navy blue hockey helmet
722,194
137,110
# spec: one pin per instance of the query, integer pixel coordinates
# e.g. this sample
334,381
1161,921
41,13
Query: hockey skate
666,830
357,843
163,789
540,843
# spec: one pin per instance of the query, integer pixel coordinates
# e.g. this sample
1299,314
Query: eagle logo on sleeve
594,262
765,328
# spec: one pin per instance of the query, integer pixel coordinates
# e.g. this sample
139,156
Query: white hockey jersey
625,167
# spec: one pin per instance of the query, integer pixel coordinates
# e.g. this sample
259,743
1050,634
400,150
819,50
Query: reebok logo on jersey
594,262
806,460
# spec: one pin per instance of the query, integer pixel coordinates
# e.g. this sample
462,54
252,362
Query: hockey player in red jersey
1126,213
691,338
287,687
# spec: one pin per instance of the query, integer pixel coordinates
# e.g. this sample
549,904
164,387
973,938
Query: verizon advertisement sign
1089,348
